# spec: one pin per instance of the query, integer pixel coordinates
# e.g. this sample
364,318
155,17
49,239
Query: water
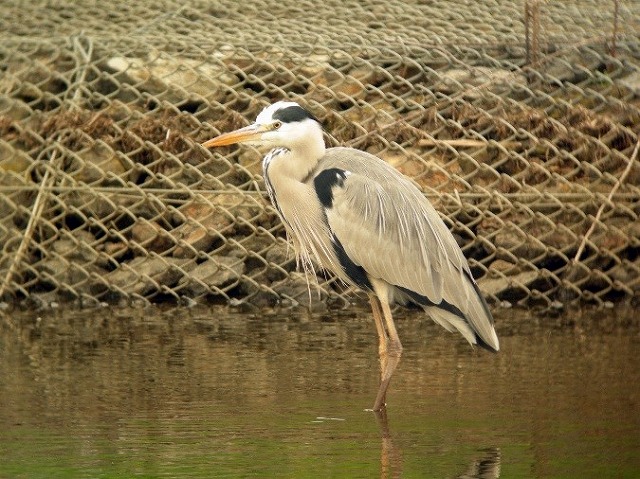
218,393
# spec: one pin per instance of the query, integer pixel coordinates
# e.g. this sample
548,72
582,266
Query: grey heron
361,219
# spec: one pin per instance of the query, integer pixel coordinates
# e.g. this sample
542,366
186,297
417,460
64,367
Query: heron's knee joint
395,349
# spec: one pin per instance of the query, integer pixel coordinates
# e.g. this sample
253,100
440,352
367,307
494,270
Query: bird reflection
486,466
390,455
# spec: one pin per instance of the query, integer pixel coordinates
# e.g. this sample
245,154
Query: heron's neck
298,160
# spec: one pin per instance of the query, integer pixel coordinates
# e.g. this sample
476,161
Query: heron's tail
481,320
455,322
466,310
463,309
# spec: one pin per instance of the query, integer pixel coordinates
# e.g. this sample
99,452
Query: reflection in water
486,467
212,392
390,455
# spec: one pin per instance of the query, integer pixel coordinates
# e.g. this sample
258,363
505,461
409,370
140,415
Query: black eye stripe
293,113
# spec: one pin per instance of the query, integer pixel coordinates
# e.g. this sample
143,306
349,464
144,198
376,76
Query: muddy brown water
221,393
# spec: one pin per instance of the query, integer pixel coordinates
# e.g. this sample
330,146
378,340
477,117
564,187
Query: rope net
519,120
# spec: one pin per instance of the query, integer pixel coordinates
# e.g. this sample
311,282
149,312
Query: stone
574,67
212,217
28,77
497,285
144,275
217,272
113,249
95,203
631,82
314,65
455,80
251,160
172,78
297,289
627,273
36,301
13,167
511,240
96,163
14,109
13,160
77,246
239,207
409,163
281,254
151,236
505,267
68,276
203,224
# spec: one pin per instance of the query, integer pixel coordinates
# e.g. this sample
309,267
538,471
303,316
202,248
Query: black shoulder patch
324,183
293,113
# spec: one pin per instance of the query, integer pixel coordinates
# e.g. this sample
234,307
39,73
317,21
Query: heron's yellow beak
248,133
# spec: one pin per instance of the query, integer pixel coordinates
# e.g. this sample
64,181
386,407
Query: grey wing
393,237
386,225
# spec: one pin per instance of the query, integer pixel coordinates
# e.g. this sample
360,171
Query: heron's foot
381,399
377,411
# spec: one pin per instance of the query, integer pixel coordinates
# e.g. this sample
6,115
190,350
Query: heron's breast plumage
266,162
303,216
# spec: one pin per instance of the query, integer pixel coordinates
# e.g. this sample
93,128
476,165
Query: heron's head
283,124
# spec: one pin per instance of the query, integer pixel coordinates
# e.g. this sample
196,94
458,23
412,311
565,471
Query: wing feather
387,226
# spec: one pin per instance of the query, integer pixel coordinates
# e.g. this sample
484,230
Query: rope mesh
519,120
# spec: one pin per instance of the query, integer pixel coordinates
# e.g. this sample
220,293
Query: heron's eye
276,125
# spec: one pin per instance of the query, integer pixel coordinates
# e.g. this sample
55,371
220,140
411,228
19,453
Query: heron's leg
382,333
395,346
392,355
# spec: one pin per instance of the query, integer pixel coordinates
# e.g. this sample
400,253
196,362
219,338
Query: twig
83,58
532,30
583,244
38,206
614,40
